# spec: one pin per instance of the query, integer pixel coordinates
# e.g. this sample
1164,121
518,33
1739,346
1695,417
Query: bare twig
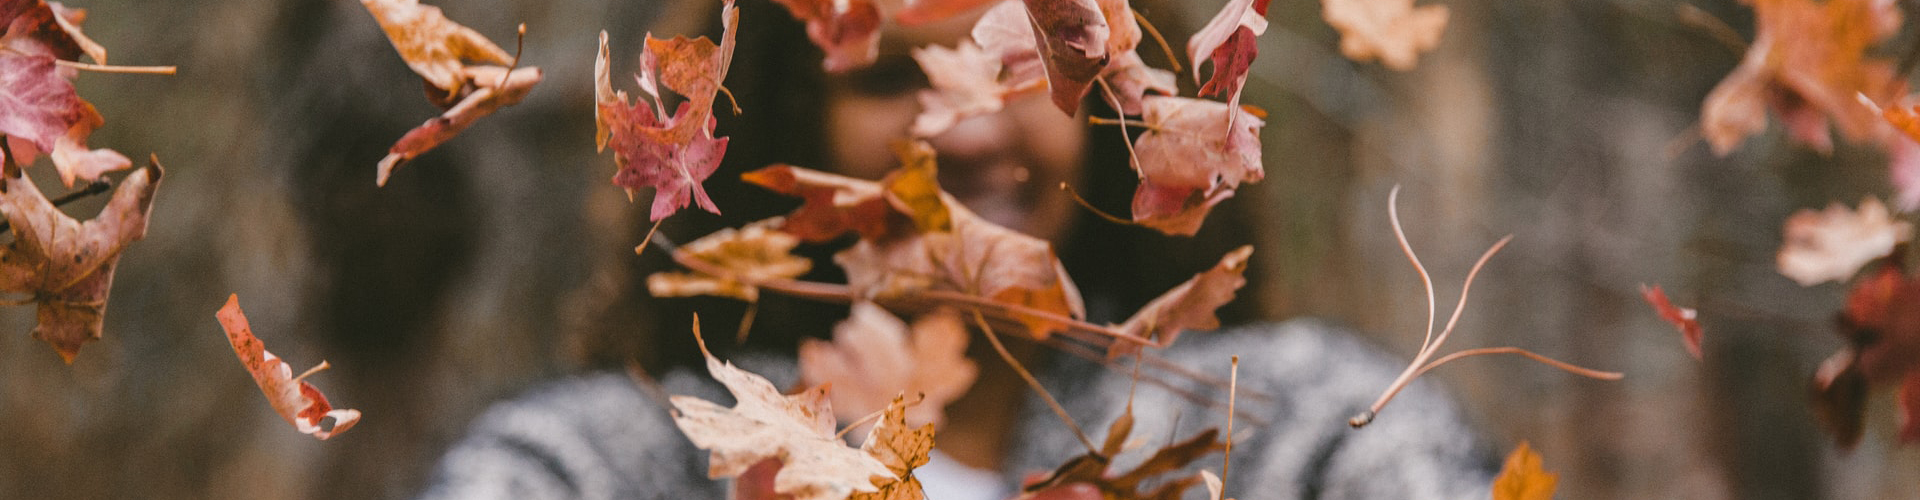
1155,33
1061,411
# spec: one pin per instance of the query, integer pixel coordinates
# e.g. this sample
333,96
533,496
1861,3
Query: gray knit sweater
600,437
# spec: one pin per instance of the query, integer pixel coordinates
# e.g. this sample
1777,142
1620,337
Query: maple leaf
1684,318
848,31
752,254
872,358
439,50
672,154
764,424
1194,154
1189,306
834,204
1072,37
1392,31
1809,63
902,448
39,107
1832,244
1522,478
68,265
37,27
292,397
965,82
1227,41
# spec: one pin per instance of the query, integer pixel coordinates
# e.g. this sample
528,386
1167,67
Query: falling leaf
964,81
1393,31
1522,478
1809,63
1071,479
919,12
1227,41
439,50
1132,79
1832,244
764,424
494,88
848,31
1881,325
40,109
672,154
872,358
1072,37
40,28
754,253
1194,154
902,448
68,265
1189,306
293,398
1683,318
834,204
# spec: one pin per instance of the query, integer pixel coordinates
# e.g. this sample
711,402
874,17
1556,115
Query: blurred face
1007,166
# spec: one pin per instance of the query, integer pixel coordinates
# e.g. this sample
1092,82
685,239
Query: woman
604,436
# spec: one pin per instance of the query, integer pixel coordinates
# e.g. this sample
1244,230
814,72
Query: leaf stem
1122,122
1171,58
1075,194
519,45
1233,385
310,371
130,70
1061,411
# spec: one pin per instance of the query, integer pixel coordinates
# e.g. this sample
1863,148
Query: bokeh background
471,276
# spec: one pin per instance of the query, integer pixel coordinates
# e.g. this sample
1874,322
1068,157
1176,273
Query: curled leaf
1832,244
67,265
294,399
1683,318
1194,154
1072,38
465,73
1227,42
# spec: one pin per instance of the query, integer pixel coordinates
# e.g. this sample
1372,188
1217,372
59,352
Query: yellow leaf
1522,478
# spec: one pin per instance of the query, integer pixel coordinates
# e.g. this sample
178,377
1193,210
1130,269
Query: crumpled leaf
1683,318
902,448
1227,41
1189,306
754,253
494,87
872,358
1832,244
439,50
1393,31
66,264
1522,478
293,398
848,31
40,112
1194,154
764,424
1809,63
41,28
672,154
1072,38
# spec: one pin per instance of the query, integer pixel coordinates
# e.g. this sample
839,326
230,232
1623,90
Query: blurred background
504,257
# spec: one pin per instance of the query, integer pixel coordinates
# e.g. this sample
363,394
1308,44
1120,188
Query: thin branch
1195,398
1233,386
746,322
1569,367
1075,194
1033,382
1155,33
1399,235
98,186
130,70
1122,122
642,248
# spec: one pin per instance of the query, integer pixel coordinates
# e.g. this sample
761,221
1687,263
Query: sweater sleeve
1299,383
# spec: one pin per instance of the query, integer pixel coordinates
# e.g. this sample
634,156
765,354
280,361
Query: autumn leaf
834,204
1393,31
1189,306
41,28
1832,244
848,31
752,254
902,448
1227,42
873,357
67,265
494,88
1522,478
1194,154
437,48
1809,63
1072,38
964,81
41,112
292,397
918,12
1071,480
440,50
674,153
764,424
1132,79
1881,325
1683,318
